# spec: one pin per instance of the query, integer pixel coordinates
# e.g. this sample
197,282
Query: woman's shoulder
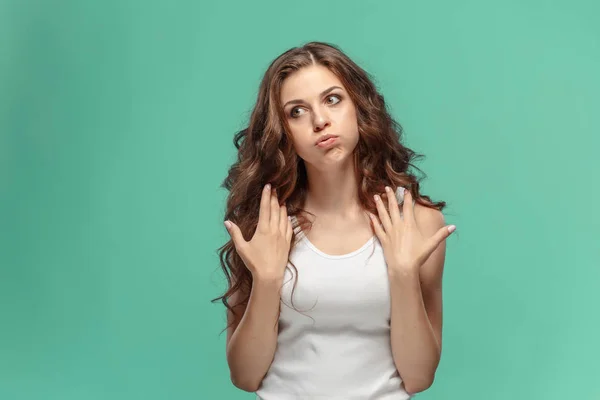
430,219
427,218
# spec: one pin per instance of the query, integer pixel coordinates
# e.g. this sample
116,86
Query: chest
348,291
338,237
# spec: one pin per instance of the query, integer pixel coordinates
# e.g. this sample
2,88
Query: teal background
116,127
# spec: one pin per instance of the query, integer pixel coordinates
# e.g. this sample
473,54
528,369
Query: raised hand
266,254
405,248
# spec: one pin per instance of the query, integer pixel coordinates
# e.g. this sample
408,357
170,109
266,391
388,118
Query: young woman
334,270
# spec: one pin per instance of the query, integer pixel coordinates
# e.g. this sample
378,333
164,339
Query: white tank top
338,345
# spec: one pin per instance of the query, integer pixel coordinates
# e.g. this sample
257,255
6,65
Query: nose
320,121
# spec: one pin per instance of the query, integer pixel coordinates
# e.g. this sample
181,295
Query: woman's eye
334,96
292,113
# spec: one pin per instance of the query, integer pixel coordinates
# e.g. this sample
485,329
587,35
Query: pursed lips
326,137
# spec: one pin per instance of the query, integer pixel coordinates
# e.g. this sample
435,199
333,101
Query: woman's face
315,104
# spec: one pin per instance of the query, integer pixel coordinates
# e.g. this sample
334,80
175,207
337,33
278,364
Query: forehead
307,83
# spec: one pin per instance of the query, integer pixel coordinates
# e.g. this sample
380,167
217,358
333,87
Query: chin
333,157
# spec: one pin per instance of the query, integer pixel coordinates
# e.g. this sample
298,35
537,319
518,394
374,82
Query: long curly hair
266,155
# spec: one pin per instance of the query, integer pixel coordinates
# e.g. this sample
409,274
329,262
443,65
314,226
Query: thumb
235,233
437,239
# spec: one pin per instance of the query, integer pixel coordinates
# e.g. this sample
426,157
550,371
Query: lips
325,137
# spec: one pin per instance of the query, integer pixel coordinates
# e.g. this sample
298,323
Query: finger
283,220
434,241
377,227
274,210
407,207
393,206
383,214
264,214
236,234
289,231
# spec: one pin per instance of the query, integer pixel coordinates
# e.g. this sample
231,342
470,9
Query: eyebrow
323,93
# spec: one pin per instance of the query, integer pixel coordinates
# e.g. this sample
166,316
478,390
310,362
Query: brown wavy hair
266,154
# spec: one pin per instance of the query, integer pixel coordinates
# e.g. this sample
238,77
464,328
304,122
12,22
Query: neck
333,190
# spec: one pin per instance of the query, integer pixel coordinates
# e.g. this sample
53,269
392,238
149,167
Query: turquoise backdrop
116,127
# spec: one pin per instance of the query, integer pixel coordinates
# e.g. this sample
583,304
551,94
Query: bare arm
416,322
252,335
252,338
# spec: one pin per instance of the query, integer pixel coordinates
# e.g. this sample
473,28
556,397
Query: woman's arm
252,338
416,320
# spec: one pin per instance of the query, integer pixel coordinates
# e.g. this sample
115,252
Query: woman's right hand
266,254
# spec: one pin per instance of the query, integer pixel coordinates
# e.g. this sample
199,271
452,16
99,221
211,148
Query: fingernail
451,228
268,186
376,197
387,189
227,224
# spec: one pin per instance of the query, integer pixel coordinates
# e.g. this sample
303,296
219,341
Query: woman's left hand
404,246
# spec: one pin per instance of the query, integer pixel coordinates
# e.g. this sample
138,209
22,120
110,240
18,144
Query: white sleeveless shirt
337,345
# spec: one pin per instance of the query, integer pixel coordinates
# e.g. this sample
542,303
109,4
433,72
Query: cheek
301,133
298,142
348,119
346,112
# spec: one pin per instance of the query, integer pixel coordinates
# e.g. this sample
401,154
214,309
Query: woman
311,313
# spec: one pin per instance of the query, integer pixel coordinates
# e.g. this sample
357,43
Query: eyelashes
339,97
